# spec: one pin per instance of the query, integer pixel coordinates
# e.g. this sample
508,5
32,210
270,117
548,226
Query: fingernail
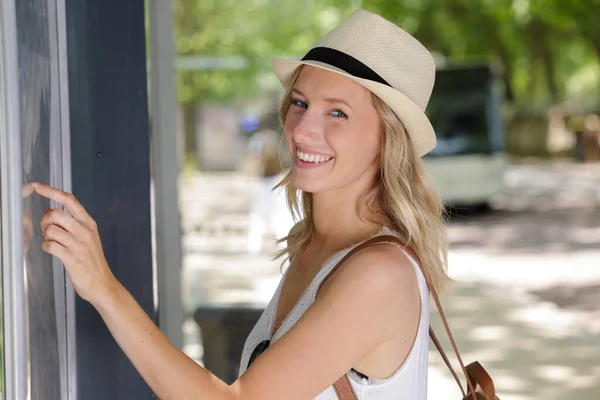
47,210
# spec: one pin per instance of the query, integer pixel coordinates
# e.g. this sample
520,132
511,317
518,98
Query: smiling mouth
312,158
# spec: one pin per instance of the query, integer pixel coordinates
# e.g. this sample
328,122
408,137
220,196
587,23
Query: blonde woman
354,120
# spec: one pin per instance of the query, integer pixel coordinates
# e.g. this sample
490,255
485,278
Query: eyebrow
328,99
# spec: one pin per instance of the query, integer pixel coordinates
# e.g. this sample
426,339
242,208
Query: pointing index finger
69,201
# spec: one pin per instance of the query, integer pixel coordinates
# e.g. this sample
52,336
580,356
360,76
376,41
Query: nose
309,128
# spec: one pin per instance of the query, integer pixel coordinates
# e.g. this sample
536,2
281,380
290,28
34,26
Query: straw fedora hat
383,58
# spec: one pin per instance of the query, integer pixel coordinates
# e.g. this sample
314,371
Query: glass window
458,111
41,162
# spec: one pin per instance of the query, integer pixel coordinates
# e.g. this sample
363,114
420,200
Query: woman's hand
72,236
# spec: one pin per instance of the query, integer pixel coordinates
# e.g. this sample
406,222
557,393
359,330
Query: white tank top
408,383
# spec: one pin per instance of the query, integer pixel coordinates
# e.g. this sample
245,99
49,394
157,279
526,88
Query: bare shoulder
382,265
380,278
383,271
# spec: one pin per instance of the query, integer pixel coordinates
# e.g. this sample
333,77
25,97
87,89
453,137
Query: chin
305,183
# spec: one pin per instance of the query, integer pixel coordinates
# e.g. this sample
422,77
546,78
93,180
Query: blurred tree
253,30
572,19
528,37
541,44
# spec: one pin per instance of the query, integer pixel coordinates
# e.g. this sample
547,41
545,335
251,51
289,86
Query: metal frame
166,171
61,177
65,137
15,371
56,179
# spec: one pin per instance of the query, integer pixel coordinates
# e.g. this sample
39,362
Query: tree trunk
596,43
542,50
189,111
504,56
542,60
548,61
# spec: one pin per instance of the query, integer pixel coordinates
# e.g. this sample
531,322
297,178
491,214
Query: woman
354,120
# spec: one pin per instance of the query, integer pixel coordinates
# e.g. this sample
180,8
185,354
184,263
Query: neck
337,222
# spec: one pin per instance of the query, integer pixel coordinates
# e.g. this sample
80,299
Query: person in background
591,137
575,123
268,209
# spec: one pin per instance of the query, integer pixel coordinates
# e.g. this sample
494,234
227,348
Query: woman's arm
168,371
373,297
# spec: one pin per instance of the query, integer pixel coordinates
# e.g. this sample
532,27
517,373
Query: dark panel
111,174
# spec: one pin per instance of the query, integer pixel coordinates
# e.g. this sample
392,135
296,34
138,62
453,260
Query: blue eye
299,103
339,114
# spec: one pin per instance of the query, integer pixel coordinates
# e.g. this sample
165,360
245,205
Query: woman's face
333,132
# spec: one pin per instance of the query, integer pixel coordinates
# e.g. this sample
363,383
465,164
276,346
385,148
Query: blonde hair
410,204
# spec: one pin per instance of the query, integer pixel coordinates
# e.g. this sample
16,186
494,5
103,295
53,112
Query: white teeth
311,157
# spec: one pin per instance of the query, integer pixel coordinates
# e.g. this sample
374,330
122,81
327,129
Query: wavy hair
409,202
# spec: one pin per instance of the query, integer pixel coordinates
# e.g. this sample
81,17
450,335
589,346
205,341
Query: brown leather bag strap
343,389
382,239
438,304
440,350
479,376
373,241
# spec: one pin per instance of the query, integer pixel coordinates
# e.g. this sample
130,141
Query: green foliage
254,29
542,44
550,49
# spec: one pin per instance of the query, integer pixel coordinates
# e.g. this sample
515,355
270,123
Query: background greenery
549,50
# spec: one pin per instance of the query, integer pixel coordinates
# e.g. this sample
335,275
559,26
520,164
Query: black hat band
344,62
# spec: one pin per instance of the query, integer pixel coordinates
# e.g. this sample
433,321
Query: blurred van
469,161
